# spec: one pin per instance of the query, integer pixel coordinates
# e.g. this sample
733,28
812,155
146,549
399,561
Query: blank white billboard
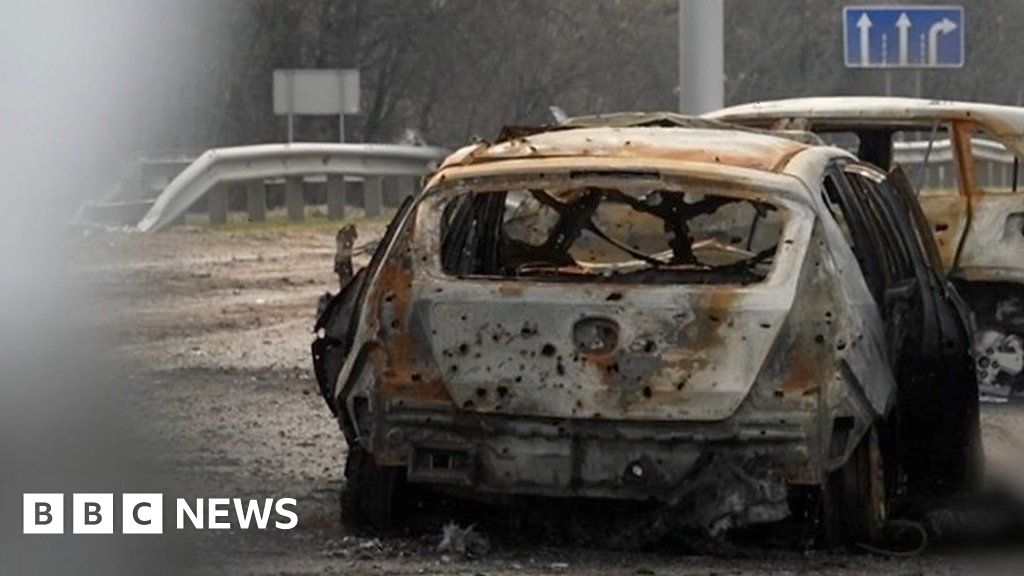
316,92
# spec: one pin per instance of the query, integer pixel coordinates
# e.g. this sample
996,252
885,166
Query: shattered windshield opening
593,233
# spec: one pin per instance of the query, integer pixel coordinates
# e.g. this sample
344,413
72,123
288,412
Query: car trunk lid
653,353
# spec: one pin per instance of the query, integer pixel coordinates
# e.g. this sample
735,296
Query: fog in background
82,84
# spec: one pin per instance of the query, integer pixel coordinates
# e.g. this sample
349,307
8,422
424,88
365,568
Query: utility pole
701,56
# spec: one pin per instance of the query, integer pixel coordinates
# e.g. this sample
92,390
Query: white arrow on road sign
945,26
865,26
903,24
887,36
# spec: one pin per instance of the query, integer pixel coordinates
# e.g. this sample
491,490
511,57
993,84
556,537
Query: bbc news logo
144,513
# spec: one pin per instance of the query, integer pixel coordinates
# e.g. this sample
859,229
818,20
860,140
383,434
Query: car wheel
855,500
1000,362
372,494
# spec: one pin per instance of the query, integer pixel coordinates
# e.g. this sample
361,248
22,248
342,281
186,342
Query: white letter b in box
43,513
92,513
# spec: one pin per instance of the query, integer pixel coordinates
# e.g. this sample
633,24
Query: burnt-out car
964,161
730,326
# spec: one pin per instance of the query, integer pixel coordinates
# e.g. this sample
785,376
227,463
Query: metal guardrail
208,177
942,151
290,162
993,163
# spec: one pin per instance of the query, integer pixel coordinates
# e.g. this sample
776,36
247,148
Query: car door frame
949,216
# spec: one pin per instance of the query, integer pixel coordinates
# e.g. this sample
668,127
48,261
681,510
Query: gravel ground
213,328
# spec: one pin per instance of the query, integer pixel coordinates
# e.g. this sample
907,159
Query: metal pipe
701,56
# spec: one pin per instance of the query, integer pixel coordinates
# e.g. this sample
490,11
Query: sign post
701,56
316,92
903,36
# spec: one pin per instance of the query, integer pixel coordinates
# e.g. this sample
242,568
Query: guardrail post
256,200
293,199
335,197
373,196
217,204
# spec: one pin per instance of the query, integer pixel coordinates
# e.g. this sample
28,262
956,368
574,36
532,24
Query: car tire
371,497
855,502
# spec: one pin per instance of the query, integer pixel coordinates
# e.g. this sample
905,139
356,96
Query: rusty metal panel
975,232
1003,121
993,248
725,147
507,372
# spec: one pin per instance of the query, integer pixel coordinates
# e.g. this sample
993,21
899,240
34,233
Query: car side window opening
895,250
848,141
926,154
830,194
876,147
996,169
857,229
903,193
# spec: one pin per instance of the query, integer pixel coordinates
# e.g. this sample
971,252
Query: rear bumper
489,455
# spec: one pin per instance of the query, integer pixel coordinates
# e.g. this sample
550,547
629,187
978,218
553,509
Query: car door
938,394
993,249
933,160
335,324
898,284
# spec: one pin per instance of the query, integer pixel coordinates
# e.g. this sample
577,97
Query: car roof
738,148
868,110
638,119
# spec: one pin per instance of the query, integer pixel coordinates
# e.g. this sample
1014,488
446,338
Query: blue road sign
903,36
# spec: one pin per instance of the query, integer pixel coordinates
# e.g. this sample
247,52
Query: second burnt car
964,160
729,328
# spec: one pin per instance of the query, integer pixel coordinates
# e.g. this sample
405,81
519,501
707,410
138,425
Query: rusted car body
654,314
965,160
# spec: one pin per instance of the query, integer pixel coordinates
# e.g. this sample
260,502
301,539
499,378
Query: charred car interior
727,327
638,235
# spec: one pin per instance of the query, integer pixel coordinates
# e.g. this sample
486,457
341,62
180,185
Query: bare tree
454,69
